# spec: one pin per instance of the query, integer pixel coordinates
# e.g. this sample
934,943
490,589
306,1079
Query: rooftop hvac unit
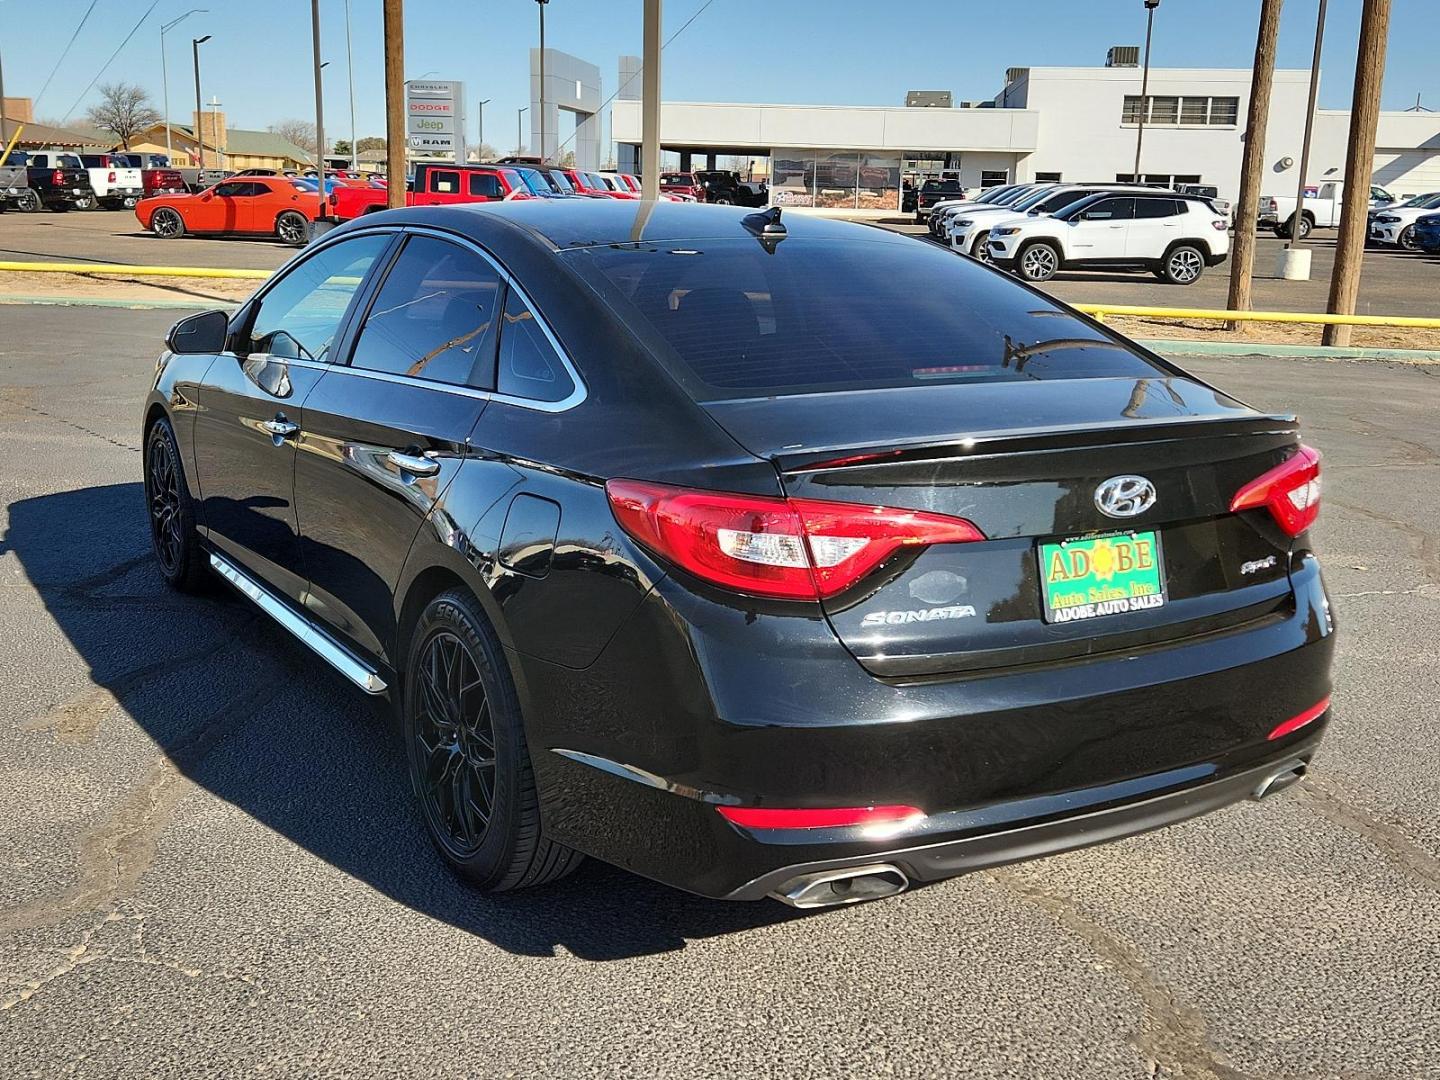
1011,74
1123,56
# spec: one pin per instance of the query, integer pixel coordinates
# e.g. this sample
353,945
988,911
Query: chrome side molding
320,642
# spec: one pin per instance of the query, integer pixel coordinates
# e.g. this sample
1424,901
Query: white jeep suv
970,228
1175,236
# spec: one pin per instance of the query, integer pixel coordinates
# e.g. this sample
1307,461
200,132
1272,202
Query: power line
107,63
698,12
83,19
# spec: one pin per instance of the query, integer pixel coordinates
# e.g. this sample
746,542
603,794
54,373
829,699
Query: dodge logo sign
1125,496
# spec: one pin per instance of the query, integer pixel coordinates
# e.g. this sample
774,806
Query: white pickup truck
1321,209
117,187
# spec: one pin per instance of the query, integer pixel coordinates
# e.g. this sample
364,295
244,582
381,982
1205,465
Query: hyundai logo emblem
1125,496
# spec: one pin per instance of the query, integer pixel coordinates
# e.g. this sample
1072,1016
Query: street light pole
1295,238
482,123
195,44
350,75
542,4
1150,6
319,105
165,76
520,128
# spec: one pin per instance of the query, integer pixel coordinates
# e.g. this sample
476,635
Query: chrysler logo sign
1125,496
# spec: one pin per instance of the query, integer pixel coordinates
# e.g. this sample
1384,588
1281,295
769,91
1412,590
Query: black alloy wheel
1406,239
28,202
465,741
456,741
292,228
166,224
172,521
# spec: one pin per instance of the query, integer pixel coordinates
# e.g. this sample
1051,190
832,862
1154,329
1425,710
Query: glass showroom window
792,175
878,183
835,177
1131,113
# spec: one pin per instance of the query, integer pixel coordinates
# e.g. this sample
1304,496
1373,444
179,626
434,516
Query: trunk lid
1023,462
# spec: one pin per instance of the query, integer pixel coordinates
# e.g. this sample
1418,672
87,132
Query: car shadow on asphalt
245,712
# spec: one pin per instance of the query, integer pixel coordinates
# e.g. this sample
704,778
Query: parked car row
262,202
1394,225
1427,234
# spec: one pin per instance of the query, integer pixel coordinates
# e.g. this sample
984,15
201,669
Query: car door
1098,232
384,435
484,187
1156,225
249,407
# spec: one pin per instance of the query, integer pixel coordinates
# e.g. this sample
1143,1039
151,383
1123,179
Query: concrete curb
187,303
1191,347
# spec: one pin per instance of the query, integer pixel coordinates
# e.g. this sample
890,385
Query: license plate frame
1081,586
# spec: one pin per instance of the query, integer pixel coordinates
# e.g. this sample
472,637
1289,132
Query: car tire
1306,226
167,224
171,513
1037,261
29,202
1183,265
981,248
461,718
1406,240
723,200
87,202
292,228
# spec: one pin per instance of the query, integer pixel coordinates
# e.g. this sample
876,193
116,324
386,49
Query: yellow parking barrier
1099,311
133,271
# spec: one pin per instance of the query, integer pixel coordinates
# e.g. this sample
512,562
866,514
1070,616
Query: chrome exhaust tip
850,885
1279,779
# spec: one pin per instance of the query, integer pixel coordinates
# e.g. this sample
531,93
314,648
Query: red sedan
248,206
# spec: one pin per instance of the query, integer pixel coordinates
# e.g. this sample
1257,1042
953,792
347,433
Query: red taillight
792,549
1291,492
112,177
757,817
59,178
1295,723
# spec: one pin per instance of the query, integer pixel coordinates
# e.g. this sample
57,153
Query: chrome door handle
413,464
280,428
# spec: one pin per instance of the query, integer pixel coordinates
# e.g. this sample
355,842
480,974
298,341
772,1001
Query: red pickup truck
434,185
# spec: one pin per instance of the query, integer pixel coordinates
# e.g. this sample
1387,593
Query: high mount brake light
1291,492
789,549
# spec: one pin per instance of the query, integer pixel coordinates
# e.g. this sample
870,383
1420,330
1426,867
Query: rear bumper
934,862
695,704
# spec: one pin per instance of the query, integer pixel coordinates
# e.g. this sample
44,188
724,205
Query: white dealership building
1051,123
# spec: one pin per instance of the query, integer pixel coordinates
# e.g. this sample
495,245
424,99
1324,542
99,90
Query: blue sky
820,52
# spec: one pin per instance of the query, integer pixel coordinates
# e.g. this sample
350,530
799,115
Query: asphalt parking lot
211,863
1393,282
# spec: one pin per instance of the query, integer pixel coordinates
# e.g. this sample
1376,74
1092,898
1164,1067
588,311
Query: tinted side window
232,189
446,182
1156,208
486,185
300,316
434,317
1059,202
529,365
1112,210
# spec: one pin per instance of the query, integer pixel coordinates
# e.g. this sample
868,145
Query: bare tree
299,132
567,160
369,142
488,152
124,109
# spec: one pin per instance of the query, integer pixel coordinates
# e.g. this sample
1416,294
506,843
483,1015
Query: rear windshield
822,315
941,185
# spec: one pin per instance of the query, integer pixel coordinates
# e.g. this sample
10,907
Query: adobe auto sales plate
1094,576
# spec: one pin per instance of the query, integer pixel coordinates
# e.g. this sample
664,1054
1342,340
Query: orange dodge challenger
251,205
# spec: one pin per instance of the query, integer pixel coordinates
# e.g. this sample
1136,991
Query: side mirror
198,334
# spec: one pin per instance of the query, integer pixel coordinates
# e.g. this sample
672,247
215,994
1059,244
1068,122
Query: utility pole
195,44
395,102
319,107
650,104
543,155
1295,238
520,129
1150,6
165,77
482,123
4,133
1359,164
350,74
1247,209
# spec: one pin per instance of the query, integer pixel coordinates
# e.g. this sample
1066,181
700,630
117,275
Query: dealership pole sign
435,118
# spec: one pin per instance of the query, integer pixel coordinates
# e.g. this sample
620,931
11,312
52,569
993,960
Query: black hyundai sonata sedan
759,556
